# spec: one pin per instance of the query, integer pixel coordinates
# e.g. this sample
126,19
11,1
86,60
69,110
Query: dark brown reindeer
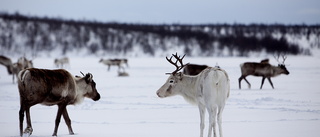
262,69
193,69
52,87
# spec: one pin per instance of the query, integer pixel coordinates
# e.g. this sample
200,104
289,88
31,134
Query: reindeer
52,87
16,68
5,61
193,69
62,61
25,62
114,62
262,69
123,74
209,90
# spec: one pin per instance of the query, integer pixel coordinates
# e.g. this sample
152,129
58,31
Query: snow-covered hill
32,36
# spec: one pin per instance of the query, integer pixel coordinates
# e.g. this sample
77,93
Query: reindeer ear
88,78
179,75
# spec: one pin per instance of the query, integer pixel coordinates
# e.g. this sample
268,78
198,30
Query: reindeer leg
263,78
269,79
68,121
202,116
21,116
249,85
212,120
13,78
123,68
220,110
239,81
61,109
29,129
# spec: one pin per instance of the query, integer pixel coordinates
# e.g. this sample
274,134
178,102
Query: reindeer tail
224,76
22,75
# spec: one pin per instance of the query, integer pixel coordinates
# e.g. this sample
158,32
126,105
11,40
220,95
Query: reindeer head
168,89
281,65
283,69
90,87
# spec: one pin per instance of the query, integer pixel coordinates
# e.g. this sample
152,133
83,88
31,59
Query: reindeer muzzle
96,98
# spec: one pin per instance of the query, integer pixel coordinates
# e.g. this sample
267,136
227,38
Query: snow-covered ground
129,105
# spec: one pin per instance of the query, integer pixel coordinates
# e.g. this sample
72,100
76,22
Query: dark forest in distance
19,33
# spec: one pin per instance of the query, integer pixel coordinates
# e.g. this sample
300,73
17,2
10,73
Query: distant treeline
20,34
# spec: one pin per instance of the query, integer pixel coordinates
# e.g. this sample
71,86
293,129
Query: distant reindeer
5,61
16,68
25,62
209,90
193,69
114,62
59,63
262,69
122,73
52,87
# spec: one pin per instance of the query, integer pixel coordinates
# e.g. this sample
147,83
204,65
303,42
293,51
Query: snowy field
129,106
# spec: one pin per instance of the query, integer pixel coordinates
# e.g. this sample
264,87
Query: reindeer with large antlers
209,90
263,69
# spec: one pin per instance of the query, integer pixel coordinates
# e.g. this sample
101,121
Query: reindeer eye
171,81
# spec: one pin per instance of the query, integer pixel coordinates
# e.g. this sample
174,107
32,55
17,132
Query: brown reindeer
193,69
5,61
114,62
262,69
52,87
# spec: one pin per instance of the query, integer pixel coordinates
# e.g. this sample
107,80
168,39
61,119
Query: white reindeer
25,62
60,63
16,68
209,90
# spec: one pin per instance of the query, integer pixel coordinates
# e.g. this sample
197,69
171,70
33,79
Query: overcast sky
172,11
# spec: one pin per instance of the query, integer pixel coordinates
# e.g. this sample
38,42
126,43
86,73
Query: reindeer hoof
54,134
27,132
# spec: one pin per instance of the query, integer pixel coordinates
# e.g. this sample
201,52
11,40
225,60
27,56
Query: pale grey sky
172,11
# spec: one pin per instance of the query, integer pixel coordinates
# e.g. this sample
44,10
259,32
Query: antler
277,57
284,57
178,68
82,73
